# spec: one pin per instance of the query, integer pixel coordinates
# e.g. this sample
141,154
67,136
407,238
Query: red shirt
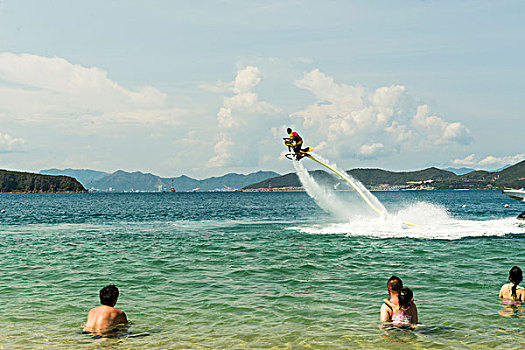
295,136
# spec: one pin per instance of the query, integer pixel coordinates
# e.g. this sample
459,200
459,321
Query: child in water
512,291
403,315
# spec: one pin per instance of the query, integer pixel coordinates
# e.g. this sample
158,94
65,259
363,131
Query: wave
420,220
433,222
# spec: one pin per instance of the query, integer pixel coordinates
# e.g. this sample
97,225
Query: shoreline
39,192
277,189
301,189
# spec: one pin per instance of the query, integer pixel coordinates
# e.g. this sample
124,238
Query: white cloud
225,118
489,161
222,150
40,88
354,120
467,161
166,116
246,80
369,150
9,143
438,130
500,161
243,121
218,87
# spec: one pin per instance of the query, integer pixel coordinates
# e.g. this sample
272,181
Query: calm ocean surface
259,270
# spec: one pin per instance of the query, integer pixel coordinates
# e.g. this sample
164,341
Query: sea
269,270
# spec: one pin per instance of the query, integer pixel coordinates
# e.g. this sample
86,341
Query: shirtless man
394,285
105,317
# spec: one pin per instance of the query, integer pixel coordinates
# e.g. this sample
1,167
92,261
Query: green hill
511,177
378,177
14,181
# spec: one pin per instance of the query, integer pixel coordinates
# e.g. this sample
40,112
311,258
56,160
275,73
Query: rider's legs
297,150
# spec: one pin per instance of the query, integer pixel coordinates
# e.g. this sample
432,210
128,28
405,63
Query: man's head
289,130
394,285
109,295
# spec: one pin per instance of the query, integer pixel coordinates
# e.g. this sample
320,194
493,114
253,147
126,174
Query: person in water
512,290
404,313
394,287
297,142
105,318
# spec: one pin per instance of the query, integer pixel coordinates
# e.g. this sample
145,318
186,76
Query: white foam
322,195
433,222
420,220
373,199
326,197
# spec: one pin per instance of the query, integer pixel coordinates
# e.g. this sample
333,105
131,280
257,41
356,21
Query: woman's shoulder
390,304
504,290
506,286
520,293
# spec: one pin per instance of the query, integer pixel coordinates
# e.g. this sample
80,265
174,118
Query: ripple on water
246,282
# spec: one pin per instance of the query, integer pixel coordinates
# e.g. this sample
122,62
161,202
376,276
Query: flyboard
306,153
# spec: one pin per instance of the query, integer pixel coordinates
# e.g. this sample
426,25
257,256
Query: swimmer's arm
390,304
501,291
89,320
414,316
122,319
521,295
386,313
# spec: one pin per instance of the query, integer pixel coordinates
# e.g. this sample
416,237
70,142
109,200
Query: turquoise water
258,270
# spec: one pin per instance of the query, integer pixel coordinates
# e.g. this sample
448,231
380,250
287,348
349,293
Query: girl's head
405,297
515,276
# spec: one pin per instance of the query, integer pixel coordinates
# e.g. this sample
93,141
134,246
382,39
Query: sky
205,88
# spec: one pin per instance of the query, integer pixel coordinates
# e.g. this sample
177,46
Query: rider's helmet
289,130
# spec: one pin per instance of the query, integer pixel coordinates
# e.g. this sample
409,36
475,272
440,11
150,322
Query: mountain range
459,171
463,171
122,181
430,178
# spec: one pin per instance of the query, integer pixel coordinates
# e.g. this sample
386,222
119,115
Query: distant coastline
301,189
383,180
80,180
23,182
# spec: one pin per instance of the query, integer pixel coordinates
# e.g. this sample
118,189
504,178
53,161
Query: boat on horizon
515,194
518,195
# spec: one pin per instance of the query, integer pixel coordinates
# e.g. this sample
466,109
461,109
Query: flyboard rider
296,142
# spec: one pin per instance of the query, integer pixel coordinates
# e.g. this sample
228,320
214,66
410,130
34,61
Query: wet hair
108,295
289,130
515,276
405,297
394,284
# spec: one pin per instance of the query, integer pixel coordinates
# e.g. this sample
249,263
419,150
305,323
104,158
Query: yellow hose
351,183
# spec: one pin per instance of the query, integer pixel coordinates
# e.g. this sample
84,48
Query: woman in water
403,315
512,291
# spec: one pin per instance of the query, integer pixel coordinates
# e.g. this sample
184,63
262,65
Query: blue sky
203,88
